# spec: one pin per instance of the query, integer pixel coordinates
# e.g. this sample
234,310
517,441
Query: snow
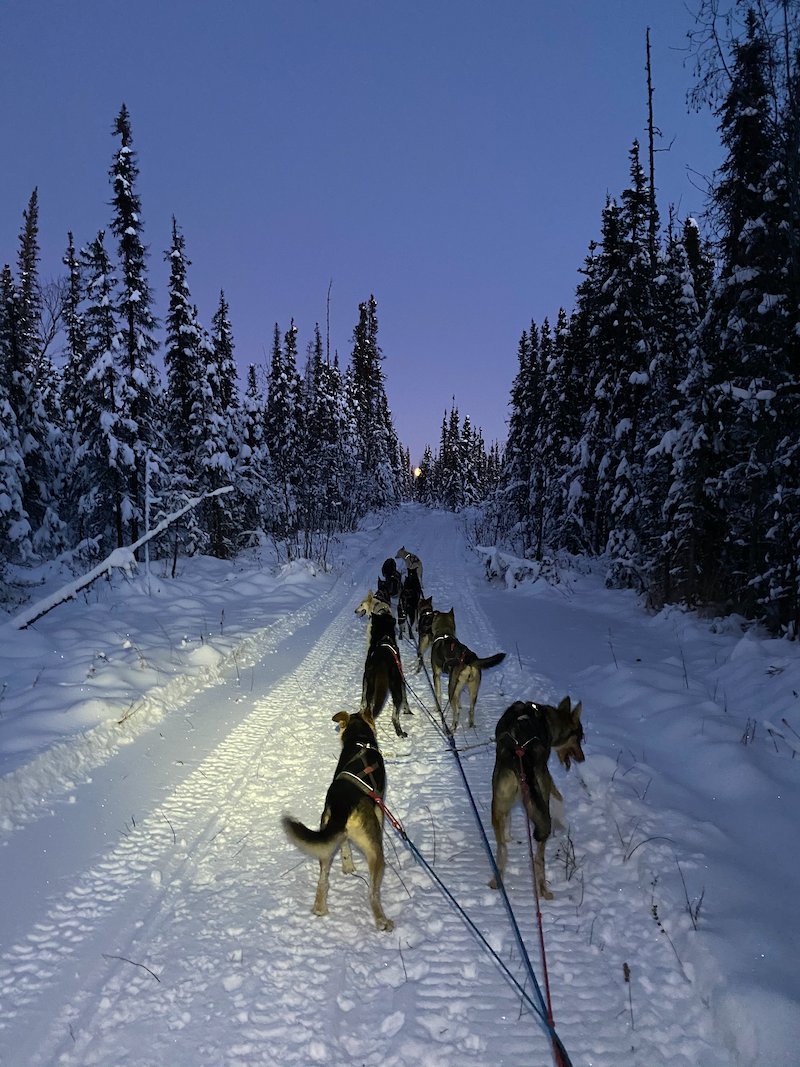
153,912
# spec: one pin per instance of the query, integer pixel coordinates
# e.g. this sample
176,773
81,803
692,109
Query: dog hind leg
368,836
504,792
473,685
348,867
321,898
538,865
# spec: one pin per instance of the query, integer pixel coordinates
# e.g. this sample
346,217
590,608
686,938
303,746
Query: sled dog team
525,735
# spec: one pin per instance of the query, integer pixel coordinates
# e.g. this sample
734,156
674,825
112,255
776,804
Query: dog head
371,605
389,568
401,553
425,606
567,731
443,623
354,723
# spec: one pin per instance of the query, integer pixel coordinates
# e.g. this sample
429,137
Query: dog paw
384,924
400,732
492,883
319,909
407,711
545,893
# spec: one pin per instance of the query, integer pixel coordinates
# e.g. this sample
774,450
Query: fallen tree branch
122,558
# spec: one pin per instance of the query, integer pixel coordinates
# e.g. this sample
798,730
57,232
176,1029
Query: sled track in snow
200,914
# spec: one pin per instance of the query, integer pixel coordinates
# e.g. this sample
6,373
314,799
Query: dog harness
386,642
451,657
363,776
535,735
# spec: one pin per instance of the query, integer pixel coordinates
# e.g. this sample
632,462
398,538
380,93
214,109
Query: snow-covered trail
180,933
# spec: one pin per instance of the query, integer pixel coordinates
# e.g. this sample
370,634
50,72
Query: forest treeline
99,443
655,425
658,424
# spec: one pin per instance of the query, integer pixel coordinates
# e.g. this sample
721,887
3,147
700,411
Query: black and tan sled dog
463,666
350,814
383,672
524,737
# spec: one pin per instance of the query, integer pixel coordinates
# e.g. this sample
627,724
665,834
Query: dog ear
565,706
342,718
576,711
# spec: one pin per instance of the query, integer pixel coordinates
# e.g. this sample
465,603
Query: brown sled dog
383,672
464,667
350,814
526,733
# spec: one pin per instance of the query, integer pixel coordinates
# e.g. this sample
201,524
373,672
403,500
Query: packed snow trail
187,940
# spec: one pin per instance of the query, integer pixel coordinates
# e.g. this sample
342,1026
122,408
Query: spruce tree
99,461
745,332
138,400
377,440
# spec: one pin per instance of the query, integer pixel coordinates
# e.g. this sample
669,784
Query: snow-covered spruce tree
450,462
376,437
473,464
692,521
324,491
76,370
543,476
283,428
422,483
138,401
629,330
222,433
76,365
34,396
591,476
580,472
515,477
745,336
563,399
96,460
665,427
184,403
255,480
15,529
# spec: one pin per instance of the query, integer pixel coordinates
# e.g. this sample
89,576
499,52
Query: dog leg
538,865
455,685
376,878
437,685
474,685
500,825
321,899
348,867
368,836
398,729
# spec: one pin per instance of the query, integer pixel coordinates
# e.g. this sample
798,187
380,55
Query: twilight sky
450,156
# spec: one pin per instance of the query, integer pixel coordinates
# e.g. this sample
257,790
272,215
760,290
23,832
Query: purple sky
450,156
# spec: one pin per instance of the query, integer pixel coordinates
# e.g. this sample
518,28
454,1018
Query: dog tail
490,661
318,843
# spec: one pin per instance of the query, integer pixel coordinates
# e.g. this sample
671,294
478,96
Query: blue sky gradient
450,156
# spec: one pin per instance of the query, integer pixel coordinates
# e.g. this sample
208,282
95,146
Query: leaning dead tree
121,559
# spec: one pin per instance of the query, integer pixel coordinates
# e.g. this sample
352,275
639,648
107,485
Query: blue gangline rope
542,1011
